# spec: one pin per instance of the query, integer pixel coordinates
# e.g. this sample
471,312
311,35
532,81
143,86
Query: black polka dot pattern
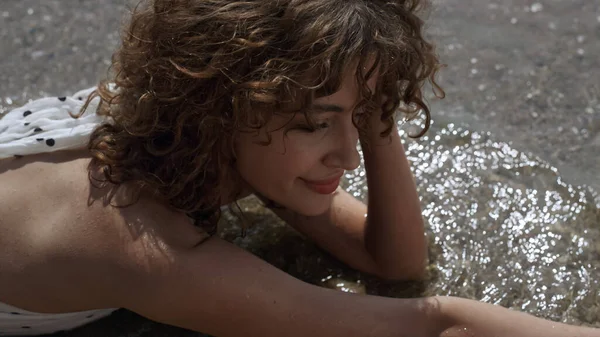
26,323
47,125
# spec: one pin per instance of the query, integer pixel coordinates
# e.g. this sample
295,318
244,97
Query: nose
344,153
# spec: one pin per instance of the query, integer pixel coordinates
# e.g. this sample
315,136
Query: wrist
372,139
377,126
459,316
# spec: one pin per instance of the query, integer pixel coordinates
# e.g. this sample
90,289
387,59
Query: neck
233,193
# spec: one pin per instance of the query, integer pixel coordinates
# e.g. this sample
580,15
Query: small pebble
37,54
536,7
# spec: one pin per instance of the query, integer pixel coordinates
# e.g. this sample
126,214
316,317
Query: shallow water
502,225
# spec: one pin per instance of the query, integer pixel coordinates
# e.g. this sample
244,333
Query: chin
317,206
303,202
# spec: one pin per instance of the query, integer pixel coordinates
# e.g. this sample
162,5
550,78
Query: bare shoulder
56,226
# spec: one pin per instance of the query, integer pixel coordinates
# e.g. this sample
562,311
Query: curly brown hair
190,74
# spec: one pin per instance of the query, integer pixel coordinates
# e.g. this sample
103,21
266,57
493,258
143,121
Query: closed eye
307,128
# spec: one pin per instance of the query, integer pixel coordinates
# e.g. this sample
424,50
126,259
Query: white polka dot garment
18,322
44,125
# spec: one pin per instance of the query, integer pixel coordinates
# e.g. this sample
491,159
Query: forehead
350,91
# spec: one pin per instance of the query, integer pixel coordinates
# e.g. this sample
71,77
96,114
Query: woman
212,101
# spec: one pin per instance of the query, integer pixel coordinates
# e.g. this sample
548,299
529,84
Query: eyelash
308,129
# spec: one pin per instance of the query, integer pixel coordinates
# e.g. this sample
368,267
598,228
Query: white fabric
57,131
44,125
18,322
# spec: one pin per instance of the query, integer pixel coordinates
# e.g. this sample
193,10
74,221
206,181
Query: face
300,169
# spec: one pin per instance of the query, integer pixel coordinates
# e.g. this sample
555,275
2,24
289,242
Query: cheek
274,163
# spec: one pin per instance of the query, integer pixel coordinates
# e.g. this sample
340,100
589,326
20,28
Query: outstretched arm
220,289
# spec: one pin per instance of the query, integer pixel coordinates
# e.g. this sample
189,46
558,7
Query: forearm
471,318
394,235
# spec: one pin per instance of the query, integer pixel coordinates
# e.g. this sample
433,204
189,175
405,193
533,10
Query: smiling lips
327,186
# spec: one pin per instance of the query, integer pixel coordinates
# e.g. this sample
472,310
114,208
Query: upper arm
220,289
215,288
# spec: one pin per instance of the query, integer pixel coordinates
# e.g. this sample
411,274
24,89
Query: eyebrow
321,108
